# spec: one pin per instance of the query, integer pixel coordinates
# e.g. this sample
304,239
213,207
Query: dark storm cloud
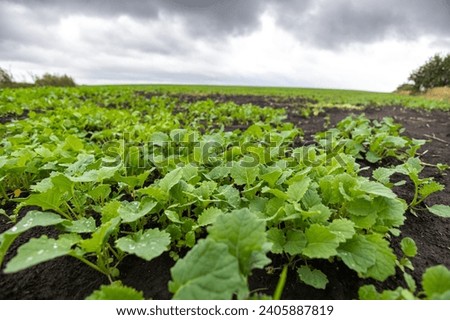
210,18
327,23
338,23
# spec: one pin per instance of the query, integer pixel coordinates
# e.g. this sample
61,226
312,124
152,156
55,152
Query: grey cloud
327,24
335,24
205,18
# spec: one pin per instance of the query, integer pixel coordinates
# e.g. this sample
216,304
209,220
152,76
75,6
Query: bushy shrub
5,77
405,87
434,73
53,80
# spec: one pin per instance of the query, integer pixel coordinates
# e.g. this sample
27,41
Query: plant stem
90,264
281,283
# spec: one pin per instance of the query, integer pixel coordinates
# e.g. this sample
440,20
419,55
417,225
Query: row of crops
118,173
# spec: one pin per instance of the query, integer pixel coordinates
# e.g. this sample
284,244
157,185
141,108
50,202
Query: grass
324,97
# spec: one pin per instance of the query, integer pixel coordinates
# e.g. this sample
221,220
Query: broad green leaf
159,138
372,157
100,192
171,179
49,200
207,272
230,195
155,193
320,242
218,173
277,238
34,219
410,282
276,192
391,212
243,175
39,250
409,247
115,291
190,172
73,143
318,213
357,253
132,211
83,225
430,188
295,242
147,245
110,211
62,183
172,216
297,190
100,236
243,233
205,190
311,198
368,292
30,220
361,207
376,188
344,229
436,281
209,216
440,210
96,175
366,222
42,186
382,175
134,181
313,277
272,177
384,258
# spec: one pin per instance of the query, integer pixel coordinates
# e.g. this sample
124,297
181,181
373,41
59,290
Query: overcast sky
353,44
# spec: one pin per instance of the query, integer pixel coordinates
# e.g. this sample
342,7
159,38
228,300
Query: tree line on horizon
46,80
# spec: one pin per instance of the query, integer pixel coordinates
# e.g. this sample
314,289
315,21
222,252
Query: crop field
203,192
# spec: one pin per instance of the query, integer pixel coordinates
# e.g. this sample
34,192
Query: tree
434,73
54,80
5,77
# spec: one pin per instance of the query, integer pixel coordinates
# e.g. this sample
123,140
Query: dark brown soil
67,278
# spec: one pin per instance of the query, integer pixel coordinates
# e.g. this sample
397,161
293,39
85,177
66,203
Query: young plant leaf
100,236
209,216
30,220
376,188
436,282
146,245
295,242
83,225
132,211
115,291
297,190
408,247
40,250
244,175
208,271
277,238
313,277
344,229
171,179
321,242
357,253
384,258
243,233
440,210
